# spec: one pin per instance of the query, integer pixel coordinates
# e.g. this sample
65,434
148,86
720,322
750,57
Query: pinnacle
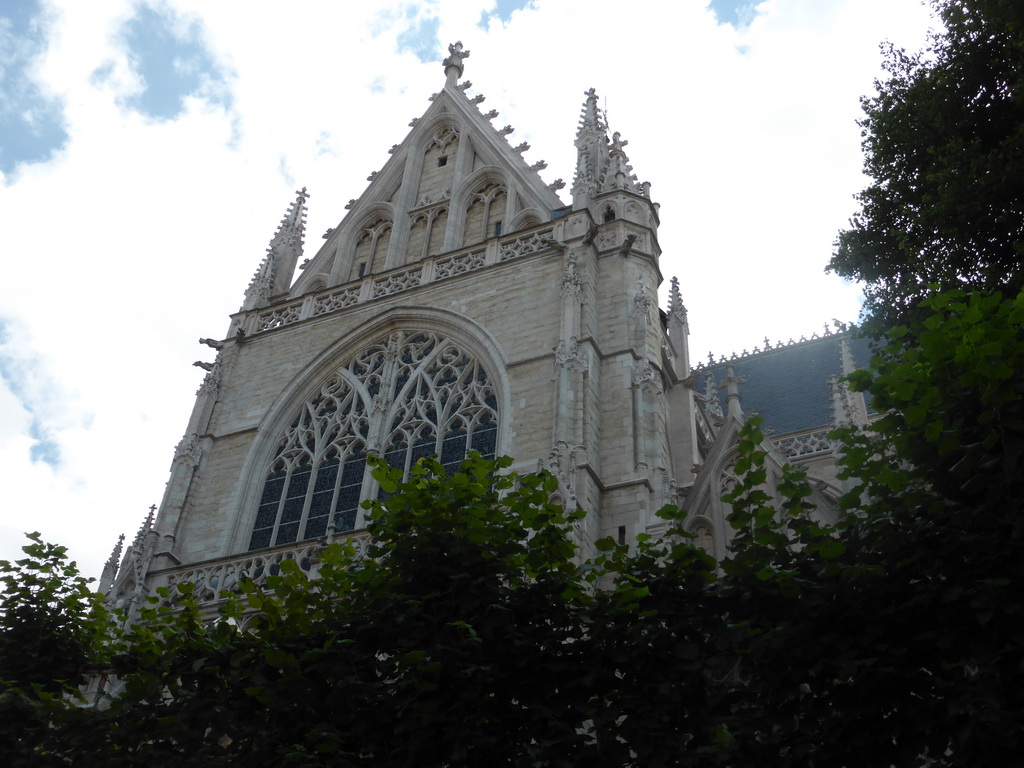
591,122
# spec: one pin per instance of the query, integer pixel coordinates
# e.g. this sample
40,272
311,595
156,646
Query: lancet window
484,214
371,248
405,397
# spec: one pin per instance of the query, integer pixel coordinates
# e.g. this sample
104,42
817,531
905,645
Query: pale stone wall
261,372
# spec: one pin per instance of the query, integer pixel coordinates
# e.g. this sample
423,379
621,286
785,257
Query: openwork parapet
399,280
212,578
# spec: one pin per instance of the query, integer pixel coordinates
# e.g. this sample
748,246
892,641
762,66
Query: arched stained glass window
407,396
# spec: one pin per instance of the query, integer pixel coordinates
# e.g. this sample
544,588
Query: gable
454,181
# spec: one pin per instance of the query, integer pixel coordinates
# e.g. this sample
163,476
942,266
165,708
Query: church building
462,304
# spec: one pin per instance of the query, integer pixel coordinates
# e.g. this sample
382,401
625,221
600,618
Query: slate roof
788,386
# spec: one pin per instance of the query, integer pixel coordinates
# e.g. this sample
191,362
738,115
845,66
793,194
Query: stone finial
710,397
732,389
846,357
111,566
591,152
590,117
275,271
619,174
453,66
842,413
675,302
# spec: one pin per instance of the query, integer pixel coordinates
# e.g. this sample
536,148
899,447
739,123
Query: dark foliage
944,147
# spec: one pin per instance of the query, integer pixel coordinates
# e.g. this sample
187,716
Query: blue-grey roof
789,386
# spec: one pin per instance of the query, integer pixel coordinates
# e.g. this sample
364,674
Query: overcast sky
149,149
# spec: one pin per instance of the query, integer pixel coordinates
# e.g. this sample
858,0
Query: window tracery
405,397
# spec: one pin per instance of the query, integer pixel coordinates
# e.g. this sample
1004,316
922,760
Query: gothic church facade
461,305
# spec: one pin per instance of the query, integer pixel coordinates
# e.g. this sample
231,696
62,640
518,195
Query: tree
944,146
895,637
52,628
472,633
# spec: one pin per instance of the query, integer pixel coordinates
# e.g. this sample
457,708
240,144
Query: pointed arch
413,383
365,242
475,207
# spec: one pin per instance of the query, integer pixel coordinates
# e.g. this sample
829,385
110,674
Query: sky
149,148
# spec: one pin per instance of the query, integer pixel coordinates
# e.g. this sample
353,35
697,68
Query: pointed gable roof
394,192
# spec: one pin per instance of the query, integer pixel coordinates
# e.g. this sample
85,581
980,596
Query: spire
675,302
591,147
274,274
453,66
591,124
110,568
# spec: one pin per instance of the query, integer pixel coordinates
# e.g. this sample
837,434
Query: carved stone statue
453,66
455,56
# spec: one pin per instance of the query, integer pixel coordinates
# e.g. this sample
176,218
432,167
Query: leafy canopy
944,147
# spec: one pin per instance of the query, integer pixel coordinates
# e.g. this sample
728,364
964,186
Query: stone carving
212,580
478,99
406,395
490,115
211,382
556,185
346,297
647,377
710,397
456,55
571,283
188,449
627,245
443,138
535,243
675,302
275,318
506,130
521,148
570,357
801,446
561,462
642,302
540,165
457,265
396,282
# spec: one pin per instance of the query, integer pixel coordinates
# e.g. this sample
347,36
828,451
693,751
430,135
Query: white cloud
140,236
